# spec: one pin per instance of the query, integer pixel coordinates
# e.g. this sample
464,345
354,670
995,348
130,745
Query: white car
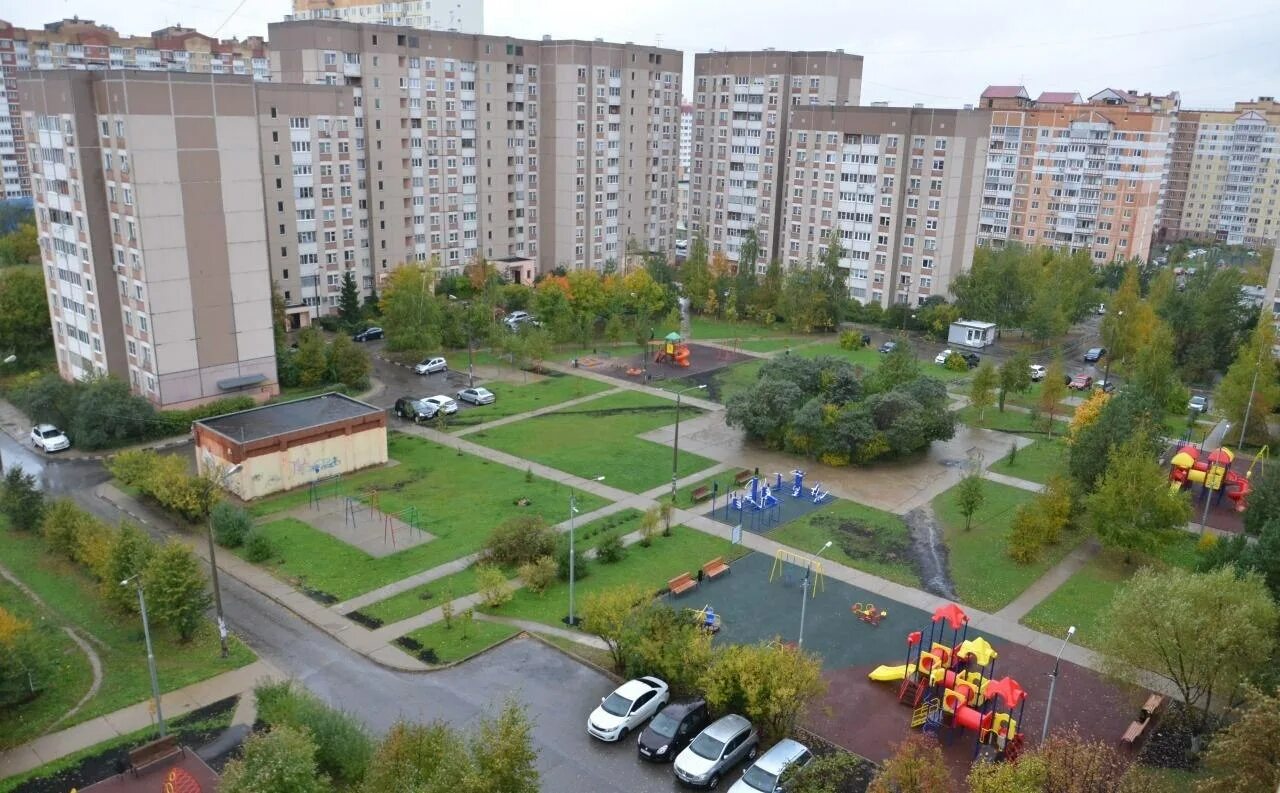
443,402
1038,372
477,396
628,707
49,438
942,357
430,365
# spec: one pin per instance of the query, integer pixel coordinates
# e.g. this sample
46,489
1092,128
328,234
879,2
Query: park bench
715,567
1146,718
681,584
700,494
149,754
743,476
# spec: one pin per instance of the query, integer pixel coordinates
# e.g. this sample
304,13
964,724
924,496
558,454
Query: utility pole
136,579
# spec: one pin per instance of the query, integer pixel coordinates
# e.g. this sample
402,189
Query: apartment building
564,152
462,16
83,44
741,108
1272,298
901,187
149,204
1075,175
686,139
1224,175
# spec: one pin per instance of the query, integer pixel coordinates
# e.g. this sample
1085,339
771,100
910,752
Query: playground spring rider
868,613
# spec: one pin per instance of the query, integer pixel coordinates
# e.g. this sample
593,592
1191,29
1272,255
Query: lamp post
1249,405
1053,681
213,567
1106,373
572,620
675,445
804,591
8,359
136,580
471,355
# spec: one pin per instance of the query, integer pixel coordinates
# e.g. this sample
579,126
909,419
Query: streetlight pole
572,620
8,359
675,445
213,567
471,354
1053,681
804,591
1249,405
136,579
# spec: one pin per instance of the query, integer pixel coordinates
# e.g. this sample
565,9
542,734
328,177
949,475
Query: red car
1081,382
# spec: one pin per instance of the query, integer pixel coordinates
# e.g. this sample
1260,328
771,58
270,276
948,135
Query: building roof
1113,95
1059,97
285,417
974,323
1005,92
186,772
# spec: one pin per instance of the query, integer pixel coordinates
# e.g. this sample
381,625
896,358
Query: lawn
73,599
869,359
590,535
1035,463
868,539
773,345
599,439
702,328
424,597
513,398
1083,599
725,382
1031,399
984,575
1008,421
460,498
684,551
456,643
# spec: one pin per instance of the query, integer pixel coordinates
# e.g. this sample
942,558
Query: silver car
764,775
716,750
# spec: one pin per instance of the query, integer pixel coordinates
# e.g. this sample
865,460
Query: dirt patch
360,618
860,540
1173,743
318,595
930,552
426,655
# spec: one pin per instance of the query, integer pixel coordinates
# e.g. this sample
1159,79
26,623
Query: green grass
590,535
1031,399
584,652
1036,463
460,498
719,329
1008,421
514,398
984,575
73,599
1083,599
724,383
449,643
599,439
684,496
683,552
862,537
425,597
773,345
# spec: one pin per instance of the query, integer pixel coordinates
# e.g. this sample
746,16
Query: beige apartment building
461,16
1224,175
742,101
901,188
564,152
149,202
83,44
1075,175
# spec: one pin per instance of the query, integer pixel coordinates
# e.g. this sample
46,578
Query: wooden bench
743,476
715,567
700,494
681,584
149,754
1146,717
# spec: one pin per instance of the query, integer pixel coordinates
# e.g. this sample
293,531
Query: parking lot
401,381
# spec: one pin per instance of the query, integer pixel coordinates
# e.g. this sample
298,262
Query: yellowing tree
1087,413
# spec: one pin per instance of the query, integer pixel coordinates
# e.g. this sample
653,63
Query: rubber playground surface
769,518
702,359
865,716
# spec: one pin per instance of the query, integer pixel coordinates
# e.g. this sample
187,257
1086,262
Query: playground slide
682,357
887,673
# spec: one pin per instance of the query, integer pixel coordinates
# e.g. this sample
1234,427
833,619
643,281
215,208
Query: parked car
764,774
889,346
477,396
627,708
430,365
1198,404
971,359
672,729
444,403
516,317
1094,354
1081,382
49,438
1038,372
368,334
941,358
415,409
1102,308
1105,386
716,750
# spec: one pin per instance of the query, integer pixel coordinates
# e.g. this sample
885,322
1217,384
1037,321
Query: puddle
930,552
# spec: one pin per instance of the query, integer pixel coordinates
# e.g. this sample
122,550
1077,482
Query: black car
671,730
888,346
415,410
1094,354
368,334
971,360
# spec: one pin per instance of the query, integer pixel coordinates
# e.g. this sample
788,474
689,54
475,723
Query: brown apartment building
1075,175
901,187
742,102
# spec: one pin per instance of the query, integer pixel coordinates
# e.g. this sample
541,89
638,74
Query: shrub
611,550
539,574
258,547
62,525
956,363
131,551
580,570
850,340
20,501
520,539
492,585
282,761
165,479
231,524
343,745
24,662
176,592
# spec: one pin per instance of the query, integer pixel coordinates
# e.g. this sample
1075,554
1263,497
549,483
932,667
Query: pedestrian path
1012,481
585,639
488,425
686,399
1047,584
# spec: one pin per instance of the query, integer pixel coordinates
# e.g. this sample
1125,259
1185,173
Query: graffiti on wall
314,467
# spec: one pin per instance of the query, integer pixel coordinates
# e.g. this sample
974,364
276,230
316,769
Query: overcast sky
937,53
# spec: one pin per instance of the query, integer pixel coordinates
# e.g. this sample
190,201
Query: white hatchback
628,707
431,365
443,403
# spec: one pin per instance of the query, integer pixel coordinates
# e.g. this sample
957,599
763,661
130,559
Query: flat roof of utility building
281,418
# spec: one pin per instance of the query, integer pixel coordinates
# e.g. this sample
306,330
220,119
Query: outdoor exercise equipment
782,557
765,509
321,489
797,483
407,516
818,494
706,618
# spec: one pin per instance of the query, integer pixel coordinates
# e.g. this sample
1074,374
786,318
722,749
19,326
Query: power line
235,11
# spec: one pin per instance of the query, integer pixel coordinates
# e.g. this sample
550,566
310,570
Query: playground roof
300,414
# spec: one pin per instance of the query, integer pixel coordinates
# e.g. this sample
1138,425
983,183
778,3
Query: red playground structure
673,350
1213,473
949,683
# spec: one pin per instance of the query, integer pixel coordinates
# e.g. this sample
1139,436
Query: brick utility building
290,444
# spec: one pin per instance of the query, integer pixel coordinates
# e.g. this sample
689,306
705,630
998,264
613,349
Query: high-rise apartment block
149,205
1224,175
741,108
462,16
686,139
83,44
900,188
1075,175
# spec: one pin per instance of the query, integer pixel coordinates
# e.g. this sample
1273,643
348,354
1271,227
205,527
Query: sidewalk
1012,481
50,747
1047,584
687,399
488,425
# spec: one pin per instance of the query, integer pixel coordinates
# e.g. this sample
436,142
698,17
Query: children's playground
1222,476
892,668
667,358
357,519
766,501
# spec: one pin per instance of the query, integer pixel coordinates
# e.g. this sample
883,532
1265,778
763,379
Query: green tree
423,758
998,288
311,360
695,274
916,766
1052,389
982,389
1015,377
502,754
282,760
1133,508
605,614
176,593
1154,373
898,367
1243,757
660,640
1065,763
346,363
1130,321
828,773
1264,501
411,313
1126,414
130,554
24,312
20,500
1202,632
971,492
766,304
1252,373
349,301
20,246
770,684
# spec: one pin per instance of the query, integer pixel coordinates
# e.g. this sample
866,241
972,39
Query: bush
344,747
24,663
131,551
956,363
231,524
520,539
611,550
539,574
492,585
849,340
258,547
580,570
280,761
62,526
165,478
175,586
20,500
